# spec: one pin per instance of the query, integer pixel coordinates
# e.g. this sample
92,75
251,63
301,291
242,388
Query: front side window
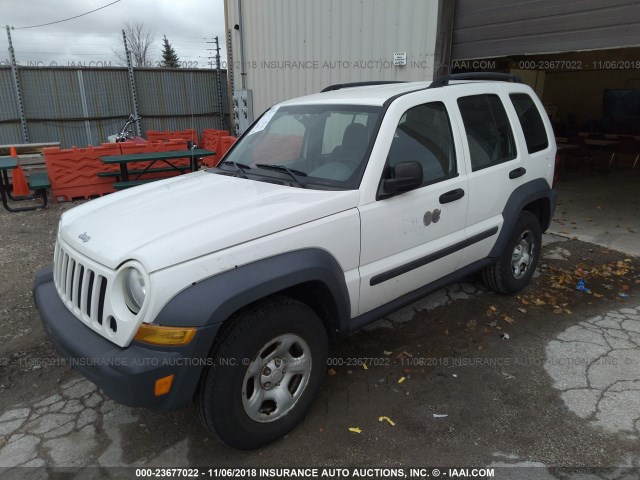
488,130
424,135
532,125
324,144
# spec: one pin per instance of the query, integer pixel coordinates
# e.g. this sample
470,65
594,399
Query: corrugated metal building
287,48
279,49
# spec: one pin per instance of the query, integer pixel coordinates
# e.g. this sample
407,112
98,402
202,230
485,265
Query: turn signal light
163,385
159,335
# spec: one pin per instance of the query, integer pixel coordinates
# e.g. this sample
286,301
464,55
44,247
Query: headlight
134,289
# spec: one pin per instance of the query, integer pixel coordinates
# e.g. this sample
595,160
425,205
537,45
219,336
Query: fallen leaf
522,310
446,331
508,319
387,352
355,430
364,365
388,420
331,372
472,324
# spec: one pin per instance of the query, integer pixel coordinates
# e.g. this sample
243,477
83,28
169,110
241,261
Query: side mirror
406,176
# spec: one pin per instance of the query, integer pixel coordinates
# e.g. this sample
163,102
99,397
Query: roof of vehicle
367,95
377,94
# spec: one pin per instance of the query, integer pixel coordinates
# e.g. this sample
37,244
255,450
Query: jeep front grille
80,287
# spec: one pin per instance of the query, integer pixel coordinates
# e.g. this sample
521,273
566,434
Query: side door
416,237
495,166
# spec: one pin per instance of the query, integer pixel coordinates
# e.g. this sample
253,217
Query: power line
67,19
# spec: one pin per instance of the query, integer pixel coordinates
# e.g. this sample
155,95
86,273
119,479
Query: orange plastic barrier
210,140
165,136
224,144
73,172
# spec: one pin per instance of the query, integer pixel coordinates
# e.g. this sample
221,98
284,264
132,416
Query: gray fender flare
213,300
523,195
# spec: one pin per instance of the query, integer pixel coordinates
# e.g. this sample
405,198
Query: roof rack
339,86
504,77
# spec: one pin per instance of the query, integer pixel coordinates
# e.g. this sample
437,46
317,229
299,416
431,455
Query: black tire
502,276
220,399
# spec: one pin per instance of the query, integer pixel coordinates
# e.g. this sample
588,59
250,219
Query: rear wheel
266,371
514,269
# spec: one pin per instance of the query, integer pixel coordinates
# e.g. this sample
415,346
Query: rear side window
534,132
488,130
424,135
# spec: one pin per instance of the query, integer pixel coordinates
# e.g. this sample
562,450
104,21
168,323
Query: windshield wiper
293,173
240,167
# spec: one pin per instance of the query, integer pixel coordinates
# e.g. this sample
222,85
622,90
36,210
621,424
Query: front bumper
127,375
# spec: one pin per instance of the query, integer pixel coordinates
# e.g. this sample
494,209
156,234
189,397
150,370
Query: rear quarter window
532,125
489,134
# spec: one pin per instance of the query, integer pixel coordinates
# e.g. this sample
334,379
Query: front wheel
266,370
514,269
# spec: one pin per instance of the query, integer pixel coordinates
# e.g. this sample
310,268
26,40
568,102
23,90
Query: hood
171,221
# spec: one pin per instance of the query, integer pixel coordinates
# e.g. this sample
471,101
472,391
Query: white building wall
333,41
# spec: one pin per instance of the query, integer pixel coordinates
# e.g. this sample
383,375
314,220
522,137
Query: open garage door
496,28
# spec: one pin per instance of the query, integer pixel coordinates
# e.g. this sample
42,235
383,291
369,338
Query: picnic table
123,176
39,182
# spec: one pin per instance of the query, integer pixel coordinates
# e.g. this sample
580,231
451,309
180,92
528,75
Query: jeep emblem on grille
84,237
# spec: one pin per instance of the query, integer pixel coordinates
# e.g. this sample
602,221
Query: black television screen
622,108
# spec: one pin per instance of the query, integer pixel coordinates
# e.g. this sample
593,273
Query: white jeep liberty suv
224,286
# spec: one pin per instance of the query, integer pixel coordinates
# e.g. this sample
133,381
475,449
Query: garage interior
584,64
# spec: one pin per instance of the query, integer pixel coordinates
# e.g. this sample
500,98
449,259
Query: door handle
518,172
451,196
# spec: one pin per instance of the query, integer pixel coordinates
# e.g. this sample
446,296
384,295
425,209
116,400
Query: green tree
169,56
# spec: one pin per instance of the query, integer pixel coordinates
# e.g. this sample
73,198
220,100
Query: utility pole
17,90
218,79
132,83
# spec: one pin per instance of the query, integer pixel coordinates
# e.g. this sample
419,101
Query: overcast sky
94,37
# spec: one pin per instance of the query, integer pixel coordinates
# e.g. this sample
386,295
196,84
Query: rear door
495,164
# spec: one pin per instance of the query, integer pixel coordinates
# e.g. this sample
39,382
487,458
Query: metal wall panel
52,93
10,133
9,110
346,41
82,106
107,91
506,27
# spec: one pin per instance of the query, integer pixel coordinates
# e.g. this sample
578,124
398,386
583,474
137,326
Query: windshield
324,144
